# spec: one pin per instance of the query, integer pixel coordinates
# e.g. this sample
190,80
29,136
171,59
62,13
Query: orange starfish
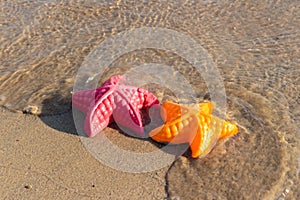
193,124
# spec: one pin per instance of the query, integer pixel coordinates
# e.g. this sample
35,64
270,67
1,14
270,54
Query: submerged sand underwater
255,46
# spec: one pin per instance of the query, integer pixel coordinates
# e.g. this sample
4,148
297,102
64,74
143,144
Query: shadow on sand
72,122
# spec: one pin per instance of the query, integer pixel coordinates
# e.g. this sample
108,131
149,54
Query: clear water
255,45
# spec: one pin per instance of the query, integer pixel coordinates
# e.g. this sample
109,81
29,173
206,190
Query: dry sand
40,162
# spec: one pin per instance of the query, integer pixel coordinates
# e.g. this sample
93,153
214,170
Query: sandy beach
39,162
242,55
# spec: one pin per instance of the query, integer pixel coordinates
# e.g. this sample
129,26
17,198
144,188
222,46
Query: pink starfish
113,101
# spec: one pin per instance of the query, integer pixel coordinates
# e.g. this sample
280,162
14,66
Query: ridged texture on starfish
192,124
113,101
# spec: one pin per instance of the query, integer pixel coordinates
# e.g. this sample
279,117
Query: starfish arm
206,107
127,117
82,100
147,99
127,111
209,131
228,129
181,130
196,144
171,111
99,114
157,134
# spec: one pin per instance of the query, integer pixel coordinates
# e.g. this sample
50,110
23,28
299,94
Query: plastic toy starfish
193,124
113,101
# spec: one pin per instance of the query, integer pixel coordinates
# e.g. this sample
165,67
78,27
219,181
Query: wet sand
255,45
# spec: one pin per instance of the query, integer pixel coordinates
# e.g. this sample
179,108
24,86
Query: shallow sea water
255,45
